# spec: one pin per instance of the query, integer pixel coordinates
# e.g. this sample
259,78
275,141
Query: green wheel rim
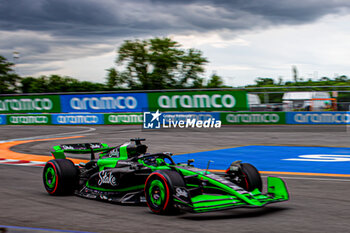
156,193
50,177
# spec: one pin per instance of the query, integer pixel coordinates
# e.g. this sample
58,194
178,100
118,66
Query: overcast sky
242,39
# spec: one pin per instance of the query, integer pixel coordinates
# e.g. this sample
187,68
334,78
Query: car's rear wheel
250,179
159,189
60,177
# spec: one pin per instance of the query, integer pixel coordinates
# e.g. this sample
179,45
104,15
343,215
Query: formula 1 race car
127,174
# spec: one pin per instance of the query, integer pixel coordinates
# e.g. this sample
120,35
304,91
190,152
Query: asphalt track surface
318,204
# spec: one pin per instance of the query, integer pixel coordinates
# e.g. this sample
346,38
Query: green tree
159,63
215,81
192,65
33,85
56,83
115,78
8,78
325,79
264,81
342,78
280,81
295,73
198,83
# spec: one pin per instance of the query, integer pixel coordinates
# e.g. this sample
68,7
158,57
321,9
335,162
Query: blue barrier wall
318,118
2,119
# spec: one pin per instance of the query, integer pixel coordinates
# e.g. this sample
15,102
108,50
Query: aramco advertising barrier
198,101
243,118
189,101
123,118
30,104
184,116
123,102
318,118
137,118
29,119
78,119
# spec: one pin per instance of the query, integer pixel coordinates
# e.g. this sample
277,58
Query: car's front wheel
159,188
250,179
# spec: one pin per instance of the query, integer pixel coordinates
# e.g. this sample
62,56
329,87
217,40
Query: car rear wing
81,148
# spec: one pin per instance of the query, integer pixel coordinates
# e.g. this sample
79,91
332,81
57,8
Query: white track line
89,129
84,132
24,163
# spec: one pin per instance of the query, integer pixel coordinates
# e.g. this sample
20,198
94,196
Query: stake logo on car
107,178
181,192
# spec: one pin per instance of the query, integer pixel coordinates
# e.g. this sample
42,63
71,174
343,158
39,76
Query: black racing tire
159,189
60,177
251,178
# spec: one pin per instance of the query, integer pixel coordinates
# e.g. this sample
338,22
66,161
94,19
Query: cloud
56,30
117,18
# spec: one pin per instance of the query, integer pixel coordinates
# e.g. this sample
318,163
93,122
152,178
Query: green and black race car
127,174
